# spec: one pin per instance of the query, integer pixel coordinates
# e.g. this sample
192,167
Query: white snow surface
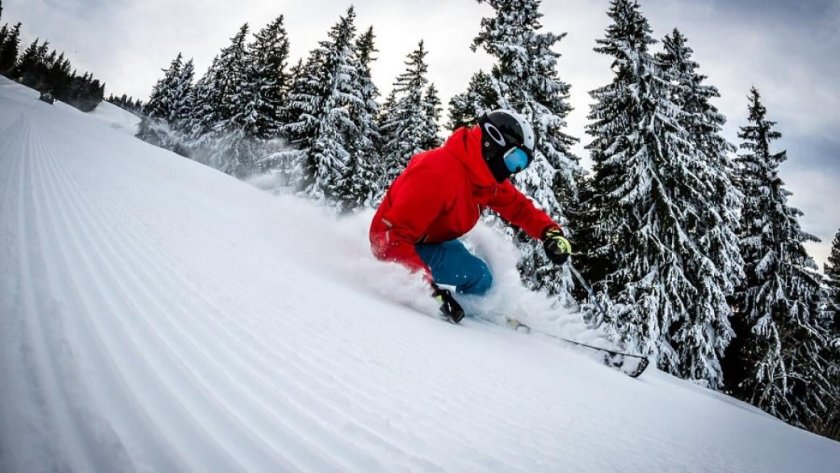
116,118
158,315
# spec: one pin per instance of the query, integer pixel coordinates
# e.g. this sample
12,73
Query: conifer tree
232,82
28,61
524,79
161,101
35,76
718,269
830,321
357,186
659,246
155,127
227,146
777,363
479,98
832,276
432,109
205,113
183,97
407,125
58,77
365,52
300,124
269,77
9,50
321,126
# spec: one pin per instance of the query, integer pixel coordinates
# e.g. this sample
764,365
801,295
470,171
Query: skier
439,197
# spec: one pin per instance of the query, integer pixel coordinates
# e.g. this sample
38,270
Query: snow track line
113,390
102,314
172,378
171,317
20,402
185,312
61,416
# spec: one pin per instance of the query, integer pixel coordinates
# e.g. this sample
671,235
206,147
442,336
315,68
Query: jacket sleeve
412,210
518,210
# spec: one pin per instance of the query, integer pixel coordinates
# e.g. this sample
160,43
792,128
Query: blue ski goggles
516,159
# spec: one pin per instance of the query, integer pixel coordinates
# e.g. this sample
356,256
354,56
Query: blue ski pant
452,264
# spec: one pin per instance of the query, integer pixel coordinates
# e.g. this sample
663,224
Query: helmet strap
496,162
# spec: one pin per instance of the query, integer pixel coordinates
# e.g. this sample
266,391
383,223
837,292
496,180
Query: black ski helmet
501,132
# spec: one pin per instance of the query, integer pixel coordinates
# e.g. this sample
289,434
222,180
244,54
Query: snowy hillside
116,118
157,315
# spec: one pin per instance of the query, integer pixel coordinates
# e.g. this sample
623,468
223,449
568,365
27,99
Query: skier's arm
412,211
518,210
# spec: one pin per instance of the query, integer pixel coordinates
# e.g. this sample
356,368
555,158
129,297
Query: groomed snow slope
156,315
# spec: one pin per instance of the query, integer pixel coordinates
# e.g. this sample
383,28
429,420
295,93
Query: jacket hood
465,145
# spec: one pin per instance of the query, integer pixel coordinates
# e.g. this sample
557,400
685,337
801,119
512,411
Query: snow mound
116,118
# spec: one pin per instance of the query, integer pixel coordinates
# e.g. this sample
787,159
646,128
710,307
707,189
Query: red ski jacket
440,196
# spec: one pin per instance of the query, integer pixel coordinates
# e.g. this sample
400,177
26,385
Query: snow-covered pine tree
161,104
365,51
28,62
224,111
9,50
432,107
156,126
59,76
293,127
830,321
655,244
206,99
832,293
232,81
480,97
183,97
718,268
321,126
524,78
300,125
776,362
407,127
357,186
270,79
4,33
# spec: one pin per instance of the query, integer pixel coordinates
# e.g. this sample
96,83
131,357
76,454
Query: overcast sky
788,49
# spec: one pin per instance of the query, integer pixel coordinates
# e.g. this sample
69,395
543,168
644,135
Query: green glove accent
556,246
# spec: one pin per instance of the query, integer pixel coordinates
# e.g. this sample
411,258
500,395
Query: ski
629,364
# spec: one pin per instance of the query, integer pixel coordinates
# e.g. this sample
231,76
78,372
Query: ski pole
640,368
589,289
594,299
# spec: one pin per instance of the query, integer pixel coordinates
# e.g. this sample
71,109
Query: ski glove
448,305
557,247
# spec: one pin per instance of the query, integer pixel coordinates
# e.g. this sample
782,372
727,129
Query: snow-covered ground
157,315
116,118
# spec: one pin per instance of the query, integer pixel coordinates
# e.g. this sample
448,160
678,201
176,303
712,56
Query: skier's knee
482,282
